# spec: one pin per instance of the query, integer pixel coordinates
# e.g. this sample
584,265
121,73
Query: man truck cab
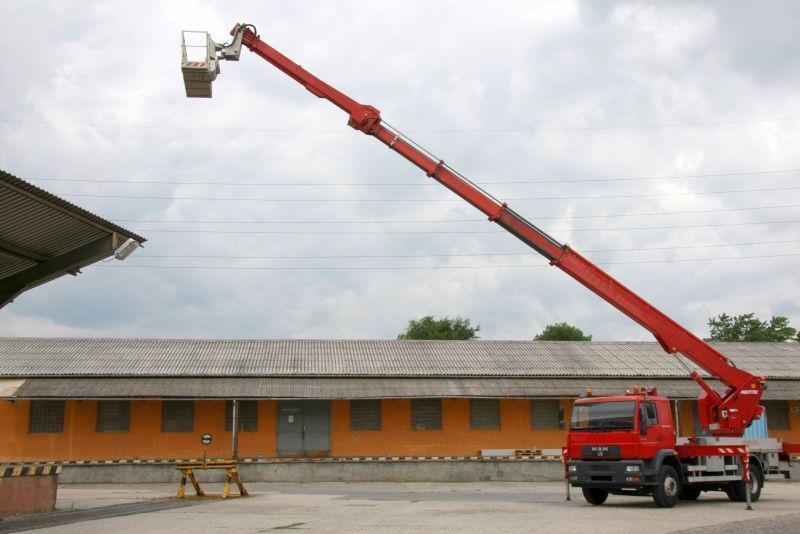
624,445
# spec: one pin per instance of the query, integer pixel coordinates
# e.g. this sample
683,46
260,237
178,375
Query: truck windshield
603,416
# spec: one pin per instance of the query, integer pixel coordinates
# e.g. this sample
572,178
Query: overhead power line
410,221
389,200
455,255
529,129
445,232
605,127
439,267
413,184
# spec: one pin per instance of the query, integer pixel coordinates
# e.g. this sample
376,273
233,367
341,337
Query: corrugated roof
359,388
38,230
60,357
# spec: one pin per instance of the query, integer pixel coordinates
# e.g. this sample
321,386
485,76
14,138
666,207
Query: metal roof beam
55,267
20,253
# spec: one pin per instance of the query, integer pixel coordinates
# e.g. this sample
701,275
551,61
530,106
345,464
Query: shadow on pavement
68,517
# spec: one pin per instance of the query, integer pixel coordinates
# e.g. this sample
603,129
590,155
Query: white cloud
469,80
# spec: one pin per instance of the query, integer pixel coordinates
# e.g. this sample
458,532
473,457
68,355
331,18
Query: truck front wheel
665,493
595,496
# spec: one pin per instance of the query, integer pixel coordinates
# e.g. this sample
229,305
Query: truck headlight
573,469
632,469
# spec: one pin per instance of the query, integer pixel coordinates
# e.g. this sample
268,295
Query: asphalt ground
401,507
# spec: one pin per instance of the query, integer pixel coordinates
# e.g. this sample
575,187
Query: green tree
748,327
445,328
562,332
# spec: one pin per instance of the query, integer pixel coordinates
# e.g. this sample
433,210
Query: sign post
206,440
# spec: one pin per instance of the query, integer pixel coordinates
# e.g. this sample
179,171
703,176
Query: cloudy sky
658,138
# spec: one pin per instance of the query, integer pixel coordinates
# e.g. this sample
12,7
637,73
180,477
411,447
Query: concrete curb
367,471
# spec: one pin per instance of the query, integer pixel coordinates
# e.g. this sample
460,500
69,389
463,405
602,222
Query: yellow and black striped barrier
29,470
187,468
519,456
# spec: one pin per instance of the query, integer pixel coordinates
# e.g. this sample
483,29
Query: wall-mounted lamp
126,249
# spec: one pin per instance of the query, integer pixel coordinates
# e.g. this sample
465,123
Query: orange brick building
115,399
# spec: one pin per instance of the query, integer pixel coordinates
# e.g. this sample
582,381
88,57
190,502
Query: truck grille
600,467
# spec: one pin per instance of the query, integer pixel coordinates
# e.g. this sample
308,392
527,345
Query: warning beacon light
200,57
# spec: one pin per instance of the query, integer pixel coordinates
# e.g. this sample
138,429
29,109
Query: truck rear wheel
737,491
665,493
595,496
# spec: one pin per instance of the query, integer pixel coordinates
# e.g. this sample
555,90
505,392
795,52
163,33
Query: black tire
757,478
595,496
737,491
665,493
689,493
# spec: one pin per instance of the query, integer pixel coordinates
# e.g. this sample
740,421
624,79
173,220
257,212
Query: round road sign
205,439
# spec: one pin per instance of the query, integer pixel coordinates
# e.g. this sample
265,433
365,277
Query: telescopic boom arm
722,415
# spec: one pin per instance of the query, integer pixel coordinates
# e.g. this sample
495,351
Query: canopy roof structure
43,237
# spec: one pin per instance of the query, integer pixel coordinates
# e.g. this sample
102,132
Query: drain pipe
235,431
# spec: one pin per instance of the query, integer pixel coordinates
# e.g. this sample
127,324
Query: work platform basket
199,63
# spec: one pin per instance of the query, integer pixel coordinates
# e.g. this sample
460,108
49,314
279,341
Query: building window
248,415
365,414
484,414
46,416
777,415
650,413
114,416
546,414
177,416
426,414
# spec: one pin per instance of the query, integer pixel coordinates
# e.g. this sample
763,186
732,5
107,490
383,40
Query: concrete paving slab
418,507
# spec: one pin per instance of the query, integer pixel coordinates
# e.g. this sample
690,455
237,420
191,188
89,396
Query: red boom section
726,415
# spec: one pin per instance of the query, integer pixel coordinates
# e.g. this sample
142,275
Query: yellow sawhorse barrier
187,471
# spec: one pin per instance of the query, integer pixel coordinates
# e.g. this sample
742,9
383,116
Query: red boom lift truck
625,444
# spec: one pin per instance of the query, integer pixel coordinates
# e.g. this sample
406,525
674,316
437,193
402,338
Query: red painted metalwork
692,450
791,448
723,415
